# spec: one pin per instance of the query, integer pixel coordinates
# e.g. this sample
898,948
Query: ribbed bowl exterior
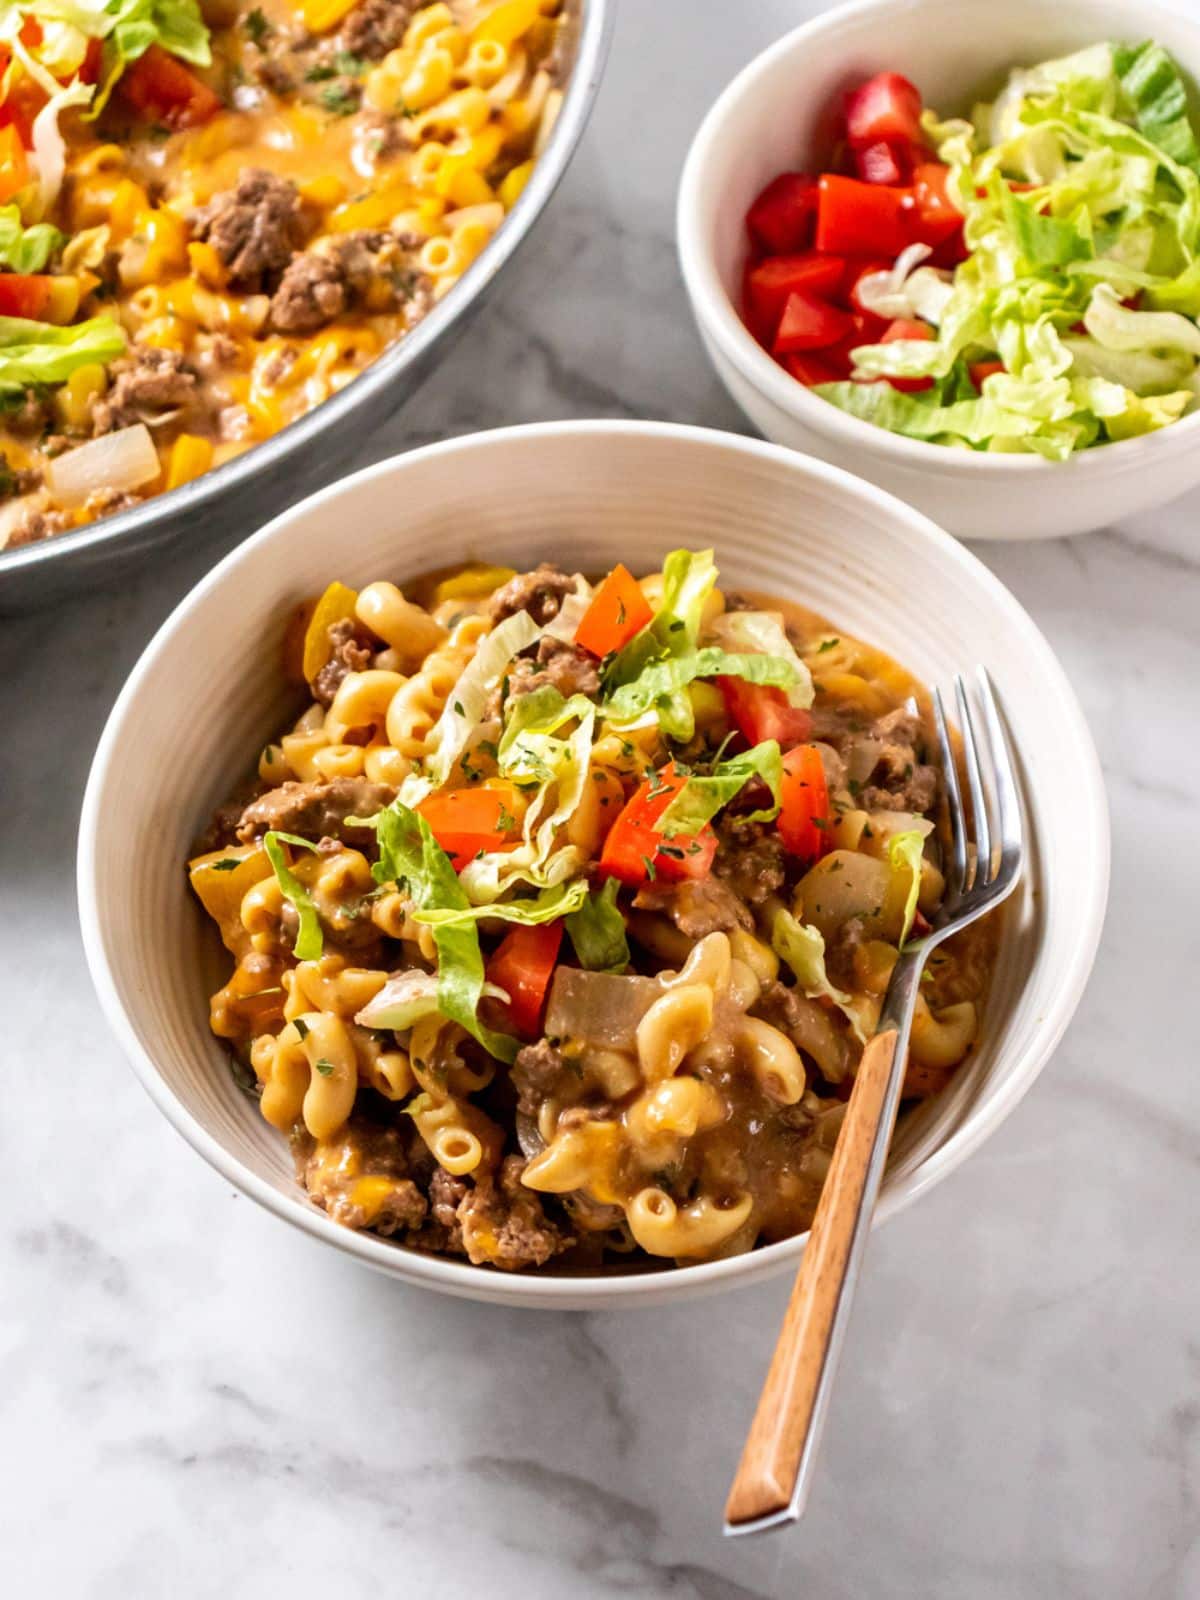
207,694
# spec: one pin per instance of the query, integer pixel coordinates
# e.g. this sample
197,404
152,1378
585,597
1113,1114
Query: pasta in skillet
561,915
215,213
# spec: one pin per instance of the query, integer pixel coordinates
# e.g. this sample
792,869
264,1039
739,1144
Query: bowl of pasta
234,236
516,926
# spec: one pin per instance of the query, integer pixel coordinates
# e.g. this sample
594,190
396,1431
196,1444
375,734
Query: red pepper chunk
982,370
466,821
881,163
804,817
885,109
161,89
759,711
23,295
938,218
781,218
523,965
769,284
618,611
862,219
810,323
635,852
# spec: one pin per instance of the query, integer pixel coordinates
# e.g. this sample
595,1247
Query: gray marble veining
199,1402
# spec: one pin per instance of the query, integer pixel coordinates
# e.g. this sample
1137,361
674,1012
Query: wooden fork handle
788,1414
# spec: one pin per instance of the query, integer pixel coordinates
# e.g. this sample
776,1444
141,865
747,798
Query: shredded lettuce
702,796
763,632
464,710
405,999
409,854
1154,89
558,901
905,854
309,939
801,946
689,577
534,754
25,249
657,687
40,353
1104,139
176,25
597,931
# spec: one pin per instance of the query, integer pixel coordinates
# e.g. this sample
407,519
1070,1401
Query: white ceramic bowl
777,115
207,694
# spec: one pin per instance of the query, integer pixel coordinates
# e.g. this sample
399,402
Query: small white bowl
208,693
779,114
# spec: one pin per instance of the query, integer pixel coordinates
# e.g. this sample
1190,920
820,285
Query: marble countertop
199,1401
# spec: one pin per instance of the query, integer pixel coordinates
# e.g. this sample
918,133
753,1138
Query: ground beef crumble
351,652
534,1073
504,1224
143,386
697,906
540,592
254,228
376,26
750,859
317,810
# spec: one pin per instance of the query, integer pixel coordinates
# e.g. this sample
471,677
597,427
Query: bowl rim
719,319
596,20
612,1288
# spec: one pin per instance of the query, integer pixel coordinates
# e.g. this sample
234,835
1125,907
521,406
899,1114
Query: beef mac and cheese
561,913
214,215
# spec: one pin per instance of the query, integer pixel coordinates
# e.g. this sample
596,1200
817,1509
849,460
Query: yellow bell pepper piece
322,15
472,583
513,183
190,456
335,605
506,22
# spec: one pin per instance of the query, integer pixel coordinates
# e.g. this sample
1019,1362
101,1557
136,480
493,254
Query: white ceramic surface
778,115
178,741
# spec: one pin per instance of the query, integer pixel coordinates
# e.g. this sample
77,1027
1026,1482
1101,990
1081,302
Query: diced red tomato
635,852
980,370
21,105
860,219
881,163
865,329
905,328
781,218
938,219
23,295
465,821
758,711
89,72
161,89
14,168
809,323
811,369
804,816
618,610
887,108
769,283
523,965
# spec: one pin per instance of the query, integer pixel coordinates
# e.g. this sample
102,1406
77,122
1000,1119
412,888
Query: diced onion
118,461
598,1008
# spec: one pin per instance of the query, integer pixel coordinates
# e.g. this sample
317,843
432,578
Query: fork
778,1461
